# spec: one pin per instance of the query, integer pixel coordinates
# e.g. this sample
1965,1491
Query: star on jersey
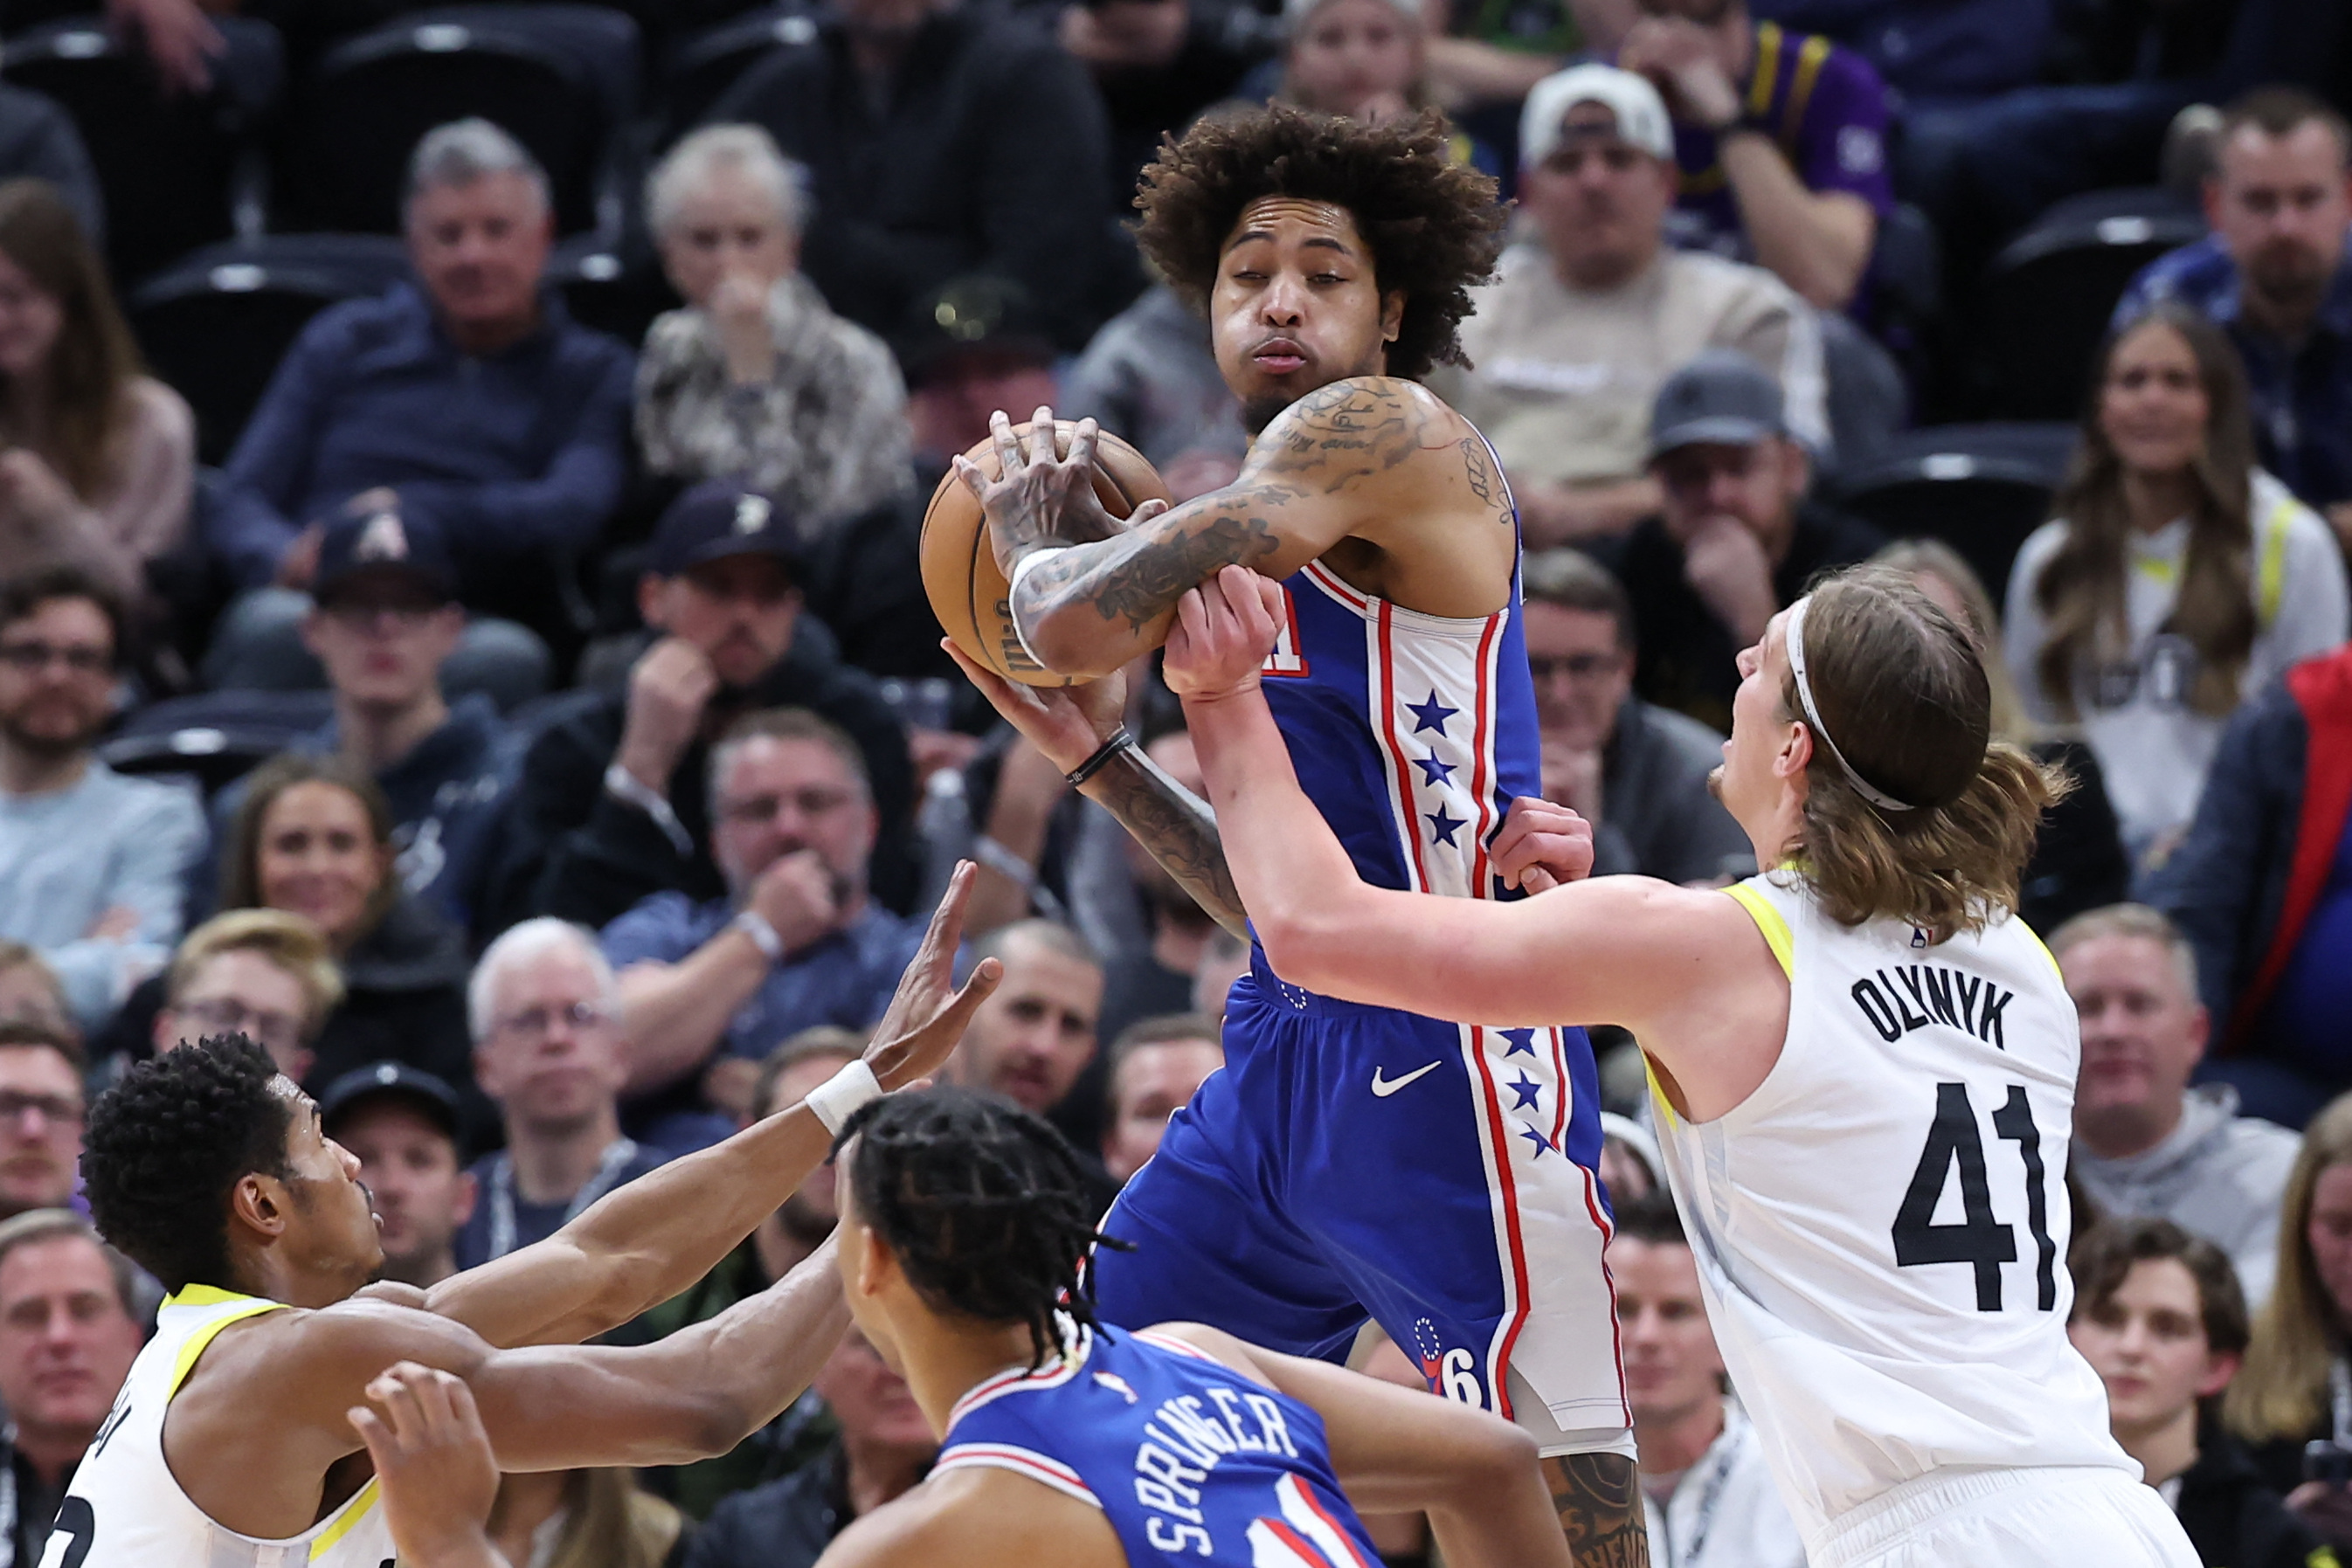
1434,772
1431,715
1529,1092
1521,1040
1543,1146
1443,825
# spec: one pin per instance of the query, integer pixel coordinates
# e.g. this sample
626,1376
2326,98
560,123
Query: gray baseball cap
1721,398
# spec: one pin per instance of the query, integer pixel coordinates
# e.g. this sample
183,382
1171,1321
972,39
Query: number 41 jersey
1881,1228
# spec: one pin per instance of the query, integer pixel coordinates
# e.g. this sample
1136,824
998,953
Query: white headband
1793,631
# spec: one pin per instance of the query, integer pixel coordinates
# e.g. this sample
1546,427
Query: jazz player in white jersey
1863,1065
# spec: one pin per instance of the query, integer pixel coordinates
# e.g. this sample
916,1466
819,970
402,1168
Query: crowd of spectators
562,754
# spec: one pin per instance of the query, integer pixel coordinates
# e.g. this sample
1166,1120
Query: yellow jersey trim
1800,91
1767,68
205,1296
1769,922
349,1515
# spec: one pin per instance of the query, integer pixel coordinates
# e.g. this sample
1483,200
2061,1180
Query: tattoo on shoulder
1345,431
1481,469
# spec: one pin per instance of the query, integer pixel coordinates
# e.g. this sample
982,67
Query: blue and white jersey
1189,1460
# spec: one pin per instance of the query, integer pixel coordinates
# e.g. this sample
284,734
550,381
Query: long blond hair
609,1522
2281,1389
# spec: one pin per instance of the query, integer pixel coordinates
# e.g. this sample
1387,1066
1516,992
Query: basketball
966,592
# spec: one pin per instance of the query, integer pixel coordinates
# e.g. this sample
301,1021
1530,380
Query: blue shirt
2302,397
518,456
1189,1461
844,978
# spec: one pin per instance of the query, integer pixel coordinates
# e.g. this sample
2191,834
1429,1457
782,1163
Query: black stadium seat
705,63
215,326
215,737
1980,489
559,79
172,166
2048,295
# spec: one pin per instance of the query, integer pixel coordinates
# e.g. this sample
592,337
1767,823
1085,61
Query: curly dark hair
986,1208
1434,225
163,1148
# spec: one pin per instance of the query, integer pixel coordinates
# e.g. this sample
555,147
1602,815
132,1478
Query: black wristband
1119,741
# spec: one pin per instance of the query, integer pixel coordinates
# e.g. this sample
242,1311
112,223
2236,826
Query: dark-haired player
1350,1161
231,1444
1064,1445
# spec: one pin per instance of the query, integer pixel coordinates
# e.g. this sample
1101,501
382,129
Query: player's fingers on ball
1008,445
1082,445
1149,510
1043,436
969,472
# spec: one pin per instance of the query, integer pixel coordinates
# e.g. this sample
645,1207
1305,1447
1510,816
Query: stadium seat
215,326
560,78
705,64
173,168
1980,489
2048,295
215,737
614,289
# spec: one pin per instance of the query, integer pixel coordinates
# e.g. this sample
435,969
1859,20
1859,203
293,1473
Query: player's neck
1676,1442
945,1362
2119,1131
553,1161
2163,1451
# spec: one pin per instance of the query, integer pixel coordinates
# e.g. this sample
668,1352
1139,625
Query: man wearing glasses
90,861
709,988
261,973
548,1049
41,1118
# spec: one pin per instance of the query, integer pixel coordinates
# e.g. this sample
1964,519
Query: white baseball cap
1640,112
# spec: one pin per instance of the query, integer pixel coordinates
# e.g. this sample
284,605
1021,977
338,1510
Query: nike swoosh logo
1384,1087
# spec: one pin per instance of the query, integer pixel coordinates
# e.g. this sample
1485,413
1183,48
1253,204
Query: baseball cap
967,317
721,517
384,542
419,1088
1640,112
1297,13
1722,398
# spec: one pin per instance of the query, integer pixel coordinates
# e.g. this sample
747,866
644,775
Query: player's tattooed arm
1599,1503
1478,466
1176,828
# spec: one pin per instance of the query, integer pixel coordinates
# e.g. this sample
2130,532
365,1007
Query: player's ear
1796,752
1391,315
260,1203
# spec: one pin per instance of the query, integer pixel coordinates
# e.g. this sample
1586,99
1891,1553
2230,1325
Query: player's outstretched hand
434,1465
927,1013
1542,845
1223,631
1066,723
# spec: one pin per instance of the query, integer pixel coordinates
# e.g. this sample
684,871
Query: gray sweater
2218,1174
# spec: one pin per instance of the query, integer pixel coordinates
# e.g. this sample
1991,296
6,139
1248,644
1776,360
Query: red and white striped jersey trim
1022,1380
1039,1468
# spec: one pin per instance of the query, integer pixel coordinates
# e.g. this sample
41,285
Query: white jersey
1881,1228
125,1509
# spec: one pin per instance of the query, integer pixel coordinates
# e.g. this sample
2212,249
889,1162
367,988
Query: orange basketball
968,593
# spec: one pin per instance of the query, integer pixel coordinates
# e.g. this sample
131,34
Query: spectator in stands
2273,274
708,986
972,346
1578,329
757,380
2145,1142
781,1242
1156,1067
384,624
941,139
71,1325
1735,539
2158,1315
1161,62
89,860
548,1048
41,1105
262,973
1708,1497
1030,1040
97,458
1638,773
2261,885
314,839
2078,861
1782,138
613,805
30,991
582,1519
1935,52
403,1127
1148,377
2174,576
1224,961
882,1448
470,396
1358,59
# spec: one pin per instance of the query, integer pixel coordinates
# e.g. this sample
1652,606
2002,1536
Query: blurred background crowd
460,476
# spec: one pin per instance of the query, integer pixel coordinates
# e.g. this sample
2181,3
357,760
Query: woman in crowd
1363,59
584,1519
2175,578
97,459
2294,1390
756,379
2078,862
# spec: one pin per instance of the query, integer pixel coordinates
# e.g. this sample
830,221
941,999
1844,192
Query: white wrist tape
1020,569
845,1092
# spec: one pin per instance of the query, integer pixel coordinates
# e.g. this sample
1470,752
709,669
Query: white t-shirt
2152,747
1723,1512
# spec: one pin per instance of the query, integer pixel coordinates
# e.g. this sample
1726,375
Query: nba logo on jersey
1285,659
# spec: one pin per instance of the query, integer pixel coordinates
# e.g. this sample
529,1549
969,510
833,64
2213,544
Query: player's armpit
980,1518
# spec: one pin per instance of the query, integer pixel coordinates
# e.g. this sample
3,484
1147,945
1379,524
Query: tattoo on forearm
1481,469
1600,1507
1177,828
1140,580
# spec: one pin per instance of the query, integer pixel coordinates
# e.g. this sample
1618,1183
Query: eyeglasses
1575,666
365,614
226,1015
32,658
533,1024
56,1109
754,809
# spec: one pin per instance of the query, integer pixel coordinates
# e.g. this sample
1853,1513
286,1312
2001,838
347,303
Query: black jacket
2233,1520
784,1523
989,153
574,849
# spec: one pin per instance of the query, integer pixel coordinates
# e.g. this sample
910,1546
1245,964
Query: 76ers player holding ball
1350,1161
